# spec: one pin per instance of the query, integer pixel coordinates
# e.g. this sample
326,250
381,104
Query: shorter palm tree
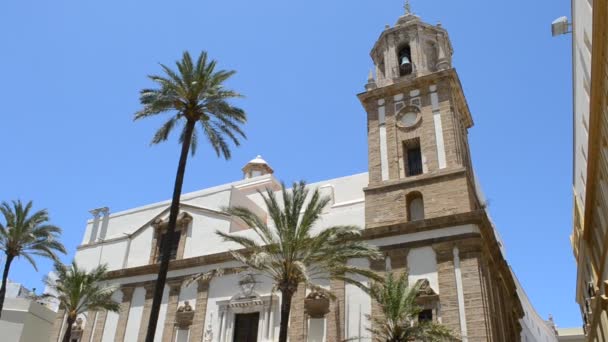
290,254
399,319
26,234
79,291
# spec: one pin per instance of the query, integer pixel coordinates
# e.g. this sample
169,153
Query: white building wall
534,327
135,313
140,248
203,228
582,15
109,330
24,320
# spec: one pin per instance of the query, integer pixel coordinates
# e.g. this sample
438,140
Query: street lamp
560,26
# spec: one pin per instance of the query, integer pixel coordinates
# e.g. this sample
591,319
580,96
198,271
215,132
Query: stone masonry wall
442,196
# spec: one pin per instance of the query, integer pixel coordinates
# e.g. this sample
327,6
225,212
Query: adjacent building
590,170
419,203
24,319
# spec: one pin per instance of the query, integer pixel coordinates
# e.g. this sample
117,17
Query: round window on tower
408,117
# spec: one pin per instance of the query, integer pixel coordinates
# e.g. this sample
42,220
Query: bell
405,61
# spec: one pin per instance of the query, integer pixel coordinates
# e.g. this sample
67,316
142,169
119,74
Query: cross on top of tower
407,7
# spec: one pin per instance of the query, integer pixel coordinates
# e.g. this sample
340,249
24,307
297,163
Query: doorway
246,327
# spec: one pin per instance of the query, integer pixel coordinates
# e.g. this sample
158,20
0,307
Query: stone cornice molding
430,177
367,234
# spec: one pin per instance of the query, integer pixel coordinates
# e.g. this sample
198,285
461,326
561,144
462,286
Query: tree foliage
292,249
79,291
399,319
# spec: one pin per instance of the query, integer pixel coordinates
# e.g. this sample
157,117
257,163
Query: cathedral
419,203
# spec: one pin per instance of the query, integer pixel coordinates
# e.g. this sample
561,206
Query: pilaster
471,281
123,315
336,316
89,326
198,324
169,329
448,297
145,315
100,325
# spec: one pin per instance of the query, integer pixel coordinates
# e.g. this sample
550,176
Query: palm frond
195,91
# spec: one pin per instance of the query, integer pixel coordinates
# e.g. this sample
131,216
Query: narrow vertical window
412,157
174,246
415,206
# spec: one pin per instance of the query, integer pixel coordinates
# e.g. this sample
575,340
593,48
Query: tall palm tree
26,234
399,319
79,291
193,94
290,254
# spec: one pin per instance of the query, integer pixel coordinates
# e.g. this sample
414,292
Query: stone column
89,326
145,315
297,319
123,316
335,317
200,311
57,326
174,289
100,325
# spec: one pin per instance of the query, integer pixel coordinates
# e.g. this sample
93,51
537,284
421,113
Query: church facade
419,203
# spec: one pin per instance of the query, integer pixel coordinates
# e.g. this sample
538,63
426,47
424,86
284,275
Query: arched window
405,61
415,206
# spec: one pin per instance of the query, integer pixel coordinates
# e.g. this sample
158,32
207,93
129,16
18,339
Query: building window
405,61
415,206
412,157
425,316
174,245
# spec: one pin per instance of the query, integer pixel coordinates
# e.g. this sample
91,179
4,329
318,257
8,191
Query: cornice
420,179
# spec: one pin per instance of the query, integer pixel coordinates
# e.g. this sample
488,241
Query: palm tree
26,234
399,319
194,94
79,291
290,254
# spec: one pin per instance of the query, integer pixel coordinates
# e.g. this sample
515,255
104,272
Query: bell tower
421,204
417,127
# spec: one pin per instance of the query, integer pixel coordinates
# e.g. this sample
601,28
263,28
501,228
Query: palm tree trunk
68,329
286,297
174,211
7,266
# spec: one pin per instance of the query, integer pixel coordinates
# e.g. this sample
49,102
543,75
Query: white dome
258,160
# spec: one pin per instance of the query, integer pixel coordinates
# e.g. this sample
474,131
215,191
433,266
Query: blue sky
71,72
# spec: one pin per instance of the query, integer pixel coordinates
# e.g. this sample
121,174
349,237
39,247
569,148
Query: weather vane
408,8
